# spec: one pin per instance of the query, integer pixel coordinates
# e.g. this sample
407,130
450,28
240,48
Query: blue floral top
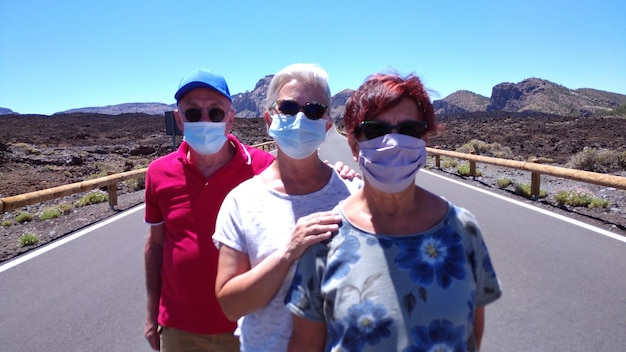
397,293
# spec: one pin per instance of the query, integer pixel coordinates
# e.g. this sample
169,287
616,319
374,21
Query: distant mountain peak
531,94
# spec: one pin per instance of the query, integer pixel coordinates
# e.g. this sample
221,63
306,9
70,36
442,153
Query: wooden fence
110,182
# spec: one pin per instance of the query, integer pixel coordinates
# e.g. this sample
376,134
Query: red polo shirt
178,195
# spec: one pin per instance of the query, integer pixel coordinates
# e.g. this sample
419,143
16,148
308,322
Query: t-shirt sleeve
488,288
152,213
304,297
228,228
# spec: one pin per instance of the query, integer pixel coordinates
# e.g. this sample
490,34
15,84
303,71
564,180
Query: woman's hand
309,230
344,170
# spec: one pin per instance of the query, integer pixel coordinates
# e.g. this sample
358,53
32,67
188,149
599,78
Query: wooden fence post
112,192
437,159
535,181
472,165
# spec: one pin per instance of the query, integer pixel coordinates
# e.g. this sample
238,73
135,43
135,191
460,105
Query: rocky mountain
536,94
461,101
146,108
252,104
530,95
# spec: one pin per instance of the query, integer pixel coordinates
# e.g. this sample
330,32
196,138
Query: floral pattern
438,256
439,336
404,293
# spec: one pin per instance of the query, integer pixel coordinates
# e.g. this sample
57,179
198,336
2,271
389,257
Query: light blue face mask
296,135
204,137
390,162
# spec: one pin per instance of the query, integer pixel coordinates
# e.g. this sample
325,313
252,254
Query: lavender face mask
390,162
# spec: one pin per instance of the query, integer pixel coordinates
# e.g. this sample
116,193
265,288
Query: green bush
504,182
464,170
56,211
578,198
28,239
92,198
448,163
50,213
599,203
479,147
598,160
24,217
7,223
136,184
523,190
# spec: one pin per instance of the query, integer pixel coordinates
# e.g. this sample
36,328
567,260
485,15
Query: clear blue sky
65,54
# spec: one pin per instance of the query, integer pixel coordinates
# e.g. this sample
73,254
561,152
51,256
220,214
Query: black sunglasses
373,129
312,110
195,115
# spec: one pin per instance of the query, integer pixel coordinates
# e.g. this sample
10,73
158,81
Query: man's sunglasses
373,129
312,110
195,115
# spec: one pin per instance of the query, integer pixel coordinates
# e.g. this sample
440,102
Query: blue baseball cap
202,78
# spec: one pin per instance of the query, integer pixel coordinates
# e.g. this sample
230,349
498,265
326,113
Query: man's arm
307,335
153,257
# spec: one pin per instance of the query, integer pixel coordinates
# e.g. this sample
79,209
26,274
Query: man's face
204,104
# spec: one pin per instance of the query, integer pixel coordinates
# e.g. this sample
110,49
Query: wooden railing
534,167
110,182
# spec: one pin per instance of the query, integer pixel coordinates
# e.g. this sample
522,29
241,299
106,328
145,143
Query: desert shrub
136,184
598,160
541,159
479,147
448,162
129,165
50,213
599,203
66,173
504,182
523,189
7,223
66,208
24,217
28,239
464,170
92,198
99,174
578,198
28,149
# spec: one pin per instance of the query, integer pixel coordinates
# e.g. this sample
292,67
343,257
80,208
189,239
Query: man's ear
354,146
179,121
230,120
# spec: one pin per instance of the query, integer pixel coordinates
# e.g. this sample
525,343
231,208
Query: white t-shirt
257,220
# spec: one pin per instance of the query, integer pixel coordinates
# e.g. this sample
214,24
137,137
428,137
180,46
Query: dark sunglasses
312,110
195,115
373,129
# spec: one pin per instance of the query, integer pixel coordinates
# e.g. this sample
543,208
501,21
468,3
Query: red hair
381,92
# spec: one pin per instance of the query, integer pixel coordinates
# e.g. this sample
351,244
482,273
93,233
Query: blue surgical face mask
296,135
204,137
390,162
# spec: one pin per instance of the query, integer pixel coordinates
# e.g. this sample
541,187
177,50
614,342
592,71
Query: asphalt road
564,282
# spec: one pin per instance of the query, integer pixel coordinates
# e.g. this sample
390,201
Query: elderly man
184,191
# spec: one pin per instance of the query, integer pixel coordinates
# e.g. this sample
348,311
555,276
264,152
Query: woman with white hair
267,222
